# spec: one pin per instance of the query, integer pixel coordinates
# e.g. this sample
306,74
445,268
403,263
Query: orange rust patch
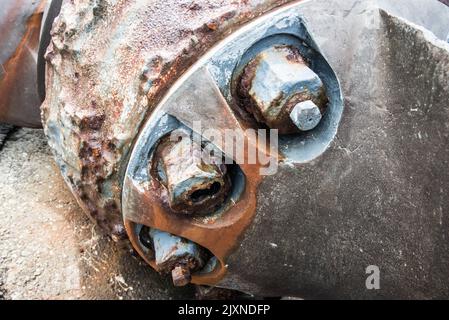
19,71
219,237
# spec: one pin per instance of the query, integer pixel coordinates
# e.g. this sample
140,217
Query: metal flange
207,94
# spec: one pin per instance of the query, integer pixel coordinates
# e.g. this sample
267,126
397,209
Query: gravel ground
48,248
5,131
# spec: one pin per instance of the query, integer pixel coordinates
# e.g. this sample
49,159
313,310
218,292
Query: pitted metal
205,94
194,185
376,191
108,65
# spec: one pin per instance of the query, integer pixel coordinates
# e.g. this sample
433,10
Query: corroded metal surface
108,65
293,240
20,24
274,82
204,94
373,194
192,185
177,256
379,194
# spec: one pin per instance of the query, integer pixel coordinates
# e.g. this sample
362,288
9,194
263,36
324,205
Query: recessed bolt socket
194,184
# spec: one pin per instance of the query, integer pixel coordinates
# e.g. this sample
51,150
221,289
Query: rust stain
220,237
19,102
145,57
174,158
276,114
124,58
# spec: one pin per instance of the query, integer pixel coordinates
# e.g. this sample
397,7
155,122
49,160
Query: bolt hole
201,194
145,239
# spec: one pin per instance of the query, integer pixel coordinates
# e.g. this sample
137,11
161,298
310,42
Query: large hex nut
274,82
193,185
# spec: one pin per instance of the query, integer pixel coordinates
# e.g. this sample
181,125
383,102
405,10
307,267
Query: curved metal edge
287,18
51,12
20,26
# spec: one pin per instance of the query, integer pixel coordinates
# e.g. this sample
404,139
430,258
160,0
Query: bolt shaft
177,256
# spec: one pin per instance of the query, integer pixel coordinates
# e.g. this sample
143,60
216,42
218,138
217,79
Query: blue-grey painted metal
168,247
